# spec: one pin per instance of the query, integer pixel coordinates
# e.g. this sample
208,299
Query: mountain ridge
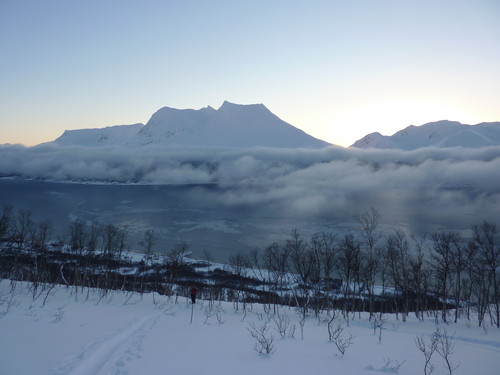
109,135
442,133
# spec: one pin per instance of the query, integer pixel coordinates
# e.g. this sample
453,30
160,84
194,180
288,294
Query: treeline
440,272
96,256
441,275
390,273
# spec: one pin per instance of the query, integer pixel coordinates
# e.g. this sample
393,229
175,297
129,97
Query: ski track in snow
108,356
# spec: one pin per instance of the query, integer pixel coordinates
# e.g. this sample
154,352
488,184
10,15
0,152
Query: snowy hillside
436,134
67,331
231,126
111,135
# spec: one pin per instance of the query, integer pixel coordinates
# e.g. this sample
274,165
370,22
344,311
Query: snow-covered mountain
436,134
111,135
232,125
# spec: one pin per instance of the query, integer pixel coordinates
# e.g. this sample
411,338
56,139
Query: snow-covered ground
126,334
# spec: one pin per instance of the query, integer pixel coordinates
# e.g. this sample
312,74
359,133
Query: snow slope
436,134
231,126
111,135
128,334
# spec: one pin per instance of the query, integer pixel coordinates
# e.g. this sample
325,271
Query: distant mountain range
241,126
436,134
232,126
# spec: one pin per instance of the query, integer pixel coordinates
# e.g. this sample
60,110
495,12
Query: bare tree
444,250
372,253
397,254
445,348
304,265
428,350
147,244
6,223
174,262
378,323
239,263
276,259
485,236
332,322
113,242
471,262
39,235
208,255
22,226
349,263
420,277
316,282
328,257
459,263
78,236
94,234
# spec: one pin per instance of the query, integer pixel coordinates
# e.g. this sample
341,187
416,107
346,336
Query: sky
336,69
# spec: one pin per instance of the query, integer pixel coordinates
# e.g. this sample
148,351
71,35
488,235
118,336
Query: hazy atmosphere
336,69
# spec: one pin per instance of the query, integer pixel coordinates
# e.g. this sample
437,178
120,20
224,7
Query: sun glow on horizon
336,70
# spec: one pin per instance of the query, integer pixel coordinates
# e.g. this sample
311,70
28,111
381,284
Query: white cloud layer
451,187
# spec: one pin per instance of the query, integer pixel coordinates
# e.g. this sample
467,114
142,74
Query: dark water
189,214
201,217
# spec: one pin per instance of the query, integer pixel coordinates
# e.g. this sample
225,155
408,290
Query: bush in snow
264,344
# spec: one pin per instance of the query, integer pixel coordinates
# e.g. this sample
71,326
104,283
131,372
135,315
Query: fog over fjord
423,190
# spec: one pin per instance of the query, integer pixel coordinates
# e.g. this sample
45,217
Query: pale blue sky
336,69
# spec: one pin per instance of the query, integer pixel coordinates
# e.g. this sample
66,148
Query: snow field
127,334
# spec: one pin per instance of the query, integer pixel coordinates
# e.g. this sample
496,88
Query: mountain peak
231,126
242,107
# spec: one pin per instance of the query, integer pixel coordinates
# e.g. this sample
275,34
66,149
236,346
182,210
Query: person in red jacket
193,294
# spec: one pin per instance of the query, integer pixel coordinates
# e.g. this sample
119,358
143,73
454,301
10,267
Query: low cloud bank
452,187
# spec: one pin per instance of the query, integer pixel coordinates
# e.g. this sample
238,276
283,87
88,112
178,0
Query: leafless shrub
333,324
7,300
445,348
393,365
427,350
265,340
342,342
302,323
378,323
291,331
219,318
58,315
209,312
282,322
441,343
